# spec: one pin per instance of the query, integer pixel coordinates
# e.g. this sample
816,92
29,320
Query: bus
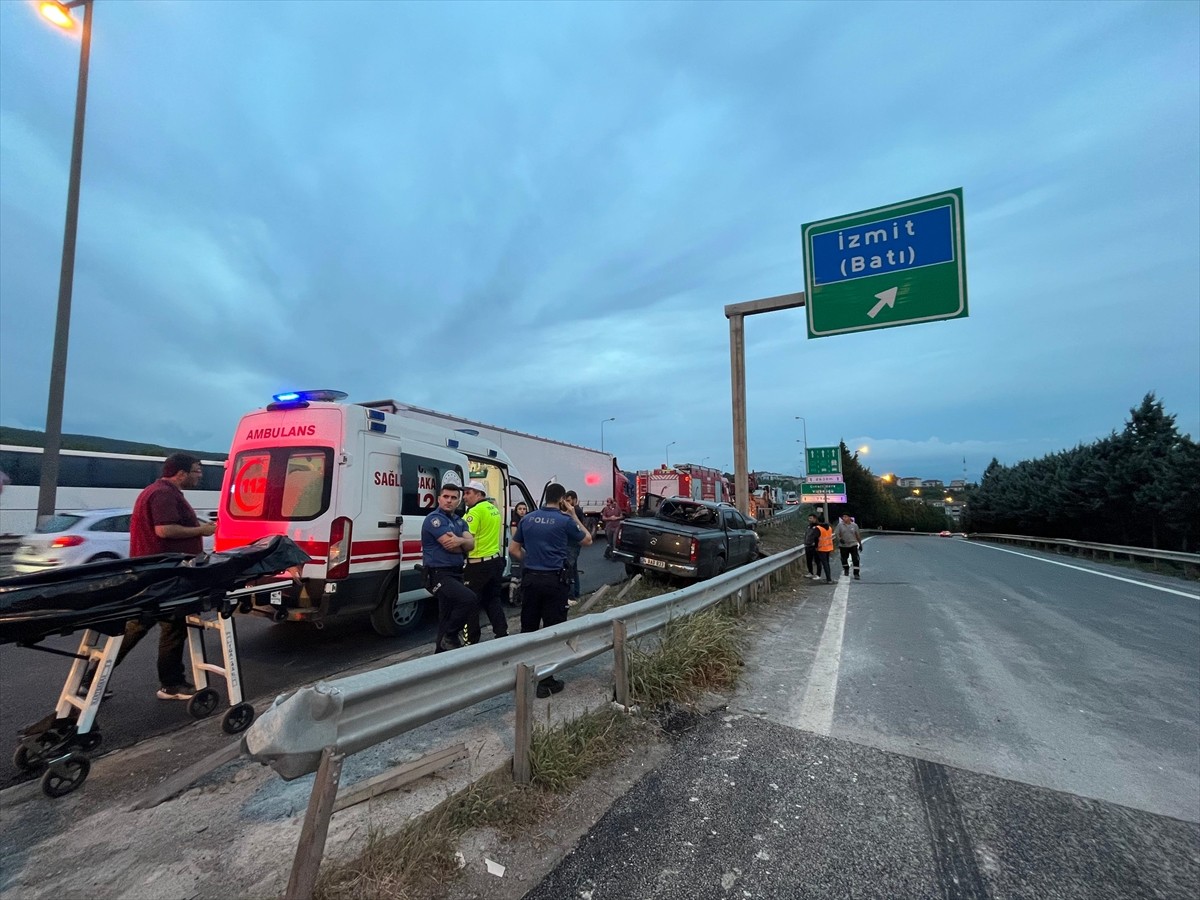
90,480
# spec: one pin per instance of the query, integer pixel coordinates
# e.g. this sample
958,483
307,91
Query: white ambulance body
592,474
351,486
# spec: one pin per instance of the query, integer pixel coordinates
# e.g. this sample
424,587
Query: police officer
485,565
445,541
541,542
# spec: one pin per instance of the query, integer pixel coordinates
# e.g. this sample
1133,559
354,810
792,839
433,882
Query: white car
77,537
72,538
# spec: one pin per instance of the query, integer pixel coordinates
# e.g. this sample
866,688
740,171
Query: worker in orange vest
824,550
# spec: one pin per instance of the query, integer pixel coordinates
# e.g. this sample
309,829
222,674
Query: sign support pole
736,313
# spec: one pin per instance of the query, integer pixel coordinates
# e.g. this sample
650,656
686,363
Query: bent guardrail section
358,711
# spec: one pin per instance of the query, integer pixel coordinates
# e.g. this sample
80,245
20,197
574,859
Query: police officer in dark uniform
540,543
445,542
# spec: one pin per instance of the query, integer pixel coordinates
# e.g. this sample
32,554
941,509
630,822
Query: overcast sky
534,214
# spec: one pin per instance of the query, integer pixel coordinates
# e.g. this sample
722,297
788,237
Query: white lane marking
816,709
1055,562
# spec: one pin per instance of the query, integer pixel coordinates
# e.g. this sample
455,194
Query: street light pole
602,421
48,486
667,453
804,423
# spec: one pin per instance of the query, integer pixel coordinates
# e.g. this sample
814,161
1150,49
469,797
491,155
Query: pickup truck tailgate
647,540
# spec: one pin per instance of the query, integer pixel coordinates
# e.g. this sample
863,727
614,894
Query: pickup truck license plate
276,598
657,563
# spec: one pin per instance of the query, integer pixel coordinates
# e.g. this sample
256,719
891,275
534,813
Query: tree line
875,505
1138,488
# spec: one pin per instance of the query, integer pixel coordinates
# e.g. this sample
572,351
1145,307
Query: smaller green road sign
807,490
823,461
893,265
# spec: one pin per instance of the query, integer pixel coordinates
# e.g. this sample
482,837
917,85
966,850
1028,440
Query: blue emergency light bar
326,396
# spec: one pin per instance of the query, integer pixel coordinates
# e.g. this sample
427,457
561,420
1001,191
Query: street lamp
704,460
804,424
602,421
60,15
864,450
667,453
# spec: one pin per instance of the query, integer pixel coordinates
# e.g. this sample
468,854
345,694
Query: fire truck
696,482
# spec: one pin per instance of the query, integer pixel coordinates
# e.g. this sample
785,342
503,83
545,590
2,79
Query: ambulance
351,486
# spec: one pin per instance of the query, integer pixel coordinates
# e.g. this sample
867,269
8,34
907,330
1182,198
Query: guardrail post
316,827
739,602
523,744
620,663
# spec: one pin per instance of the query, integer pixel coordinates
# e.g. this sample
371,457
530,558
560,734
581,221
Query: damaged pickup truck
693,539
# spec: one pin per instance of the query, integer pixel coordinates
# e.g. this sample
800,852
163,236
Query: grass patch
411,862
693,655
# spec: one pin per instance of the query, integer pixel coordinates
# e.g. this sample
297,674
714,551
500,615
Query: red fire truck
696,482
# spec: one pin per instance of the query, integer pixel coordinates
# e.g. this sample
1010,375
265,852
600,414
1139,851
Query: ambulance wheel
238,718
203,703
393,615
65,775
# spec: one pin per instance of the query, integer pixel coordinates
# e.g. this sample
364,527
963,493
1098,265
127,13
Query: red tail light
68,540
338,561
695,555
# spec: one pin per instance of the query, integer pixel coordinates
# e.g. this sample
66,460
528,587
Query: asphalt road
275,657
1071,675
965,722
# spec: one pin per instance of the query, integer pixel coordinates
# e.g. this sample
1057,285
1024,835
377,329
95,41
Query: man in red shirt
164,522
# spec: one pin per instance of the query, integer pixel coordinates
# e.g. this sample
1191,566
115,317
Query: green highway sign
808,489
823,461
893,265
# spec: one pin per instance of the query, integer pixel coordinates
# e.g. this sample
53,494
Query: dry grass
411,862
693,655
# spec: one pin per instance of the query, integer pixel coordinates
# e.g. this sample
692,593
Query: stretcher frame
61,745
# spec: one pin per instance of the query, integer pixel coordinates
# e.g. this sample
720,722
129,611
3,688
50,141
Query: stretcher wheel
66,774
238,718
31,757
23,761
203,703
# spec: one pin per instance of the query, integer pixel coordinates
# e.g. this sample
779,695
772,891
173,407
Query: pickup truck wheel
719,567
393,616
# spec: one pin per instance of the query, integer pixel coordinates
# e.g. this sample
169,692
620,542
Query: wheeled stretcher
99,598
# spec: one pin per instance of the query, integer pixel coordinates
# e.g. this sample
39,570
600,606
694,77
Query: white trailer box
592,474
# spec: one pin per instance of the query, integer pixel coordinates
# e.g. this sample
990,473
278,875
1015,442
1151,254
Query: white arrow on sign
886,298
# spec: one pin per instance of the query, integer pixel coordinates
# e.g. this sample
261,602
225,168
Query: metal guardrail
779,518
1112,550
350,714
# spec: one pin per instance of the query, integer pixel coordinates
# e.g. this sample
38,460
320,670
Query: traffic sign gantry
823,460
893,265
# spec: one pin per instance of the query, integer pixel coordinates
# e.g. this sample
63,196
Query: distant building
957,484
932,483
910,482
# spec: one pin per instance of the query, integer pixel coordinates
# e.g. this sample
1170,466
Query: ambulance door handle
399,523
